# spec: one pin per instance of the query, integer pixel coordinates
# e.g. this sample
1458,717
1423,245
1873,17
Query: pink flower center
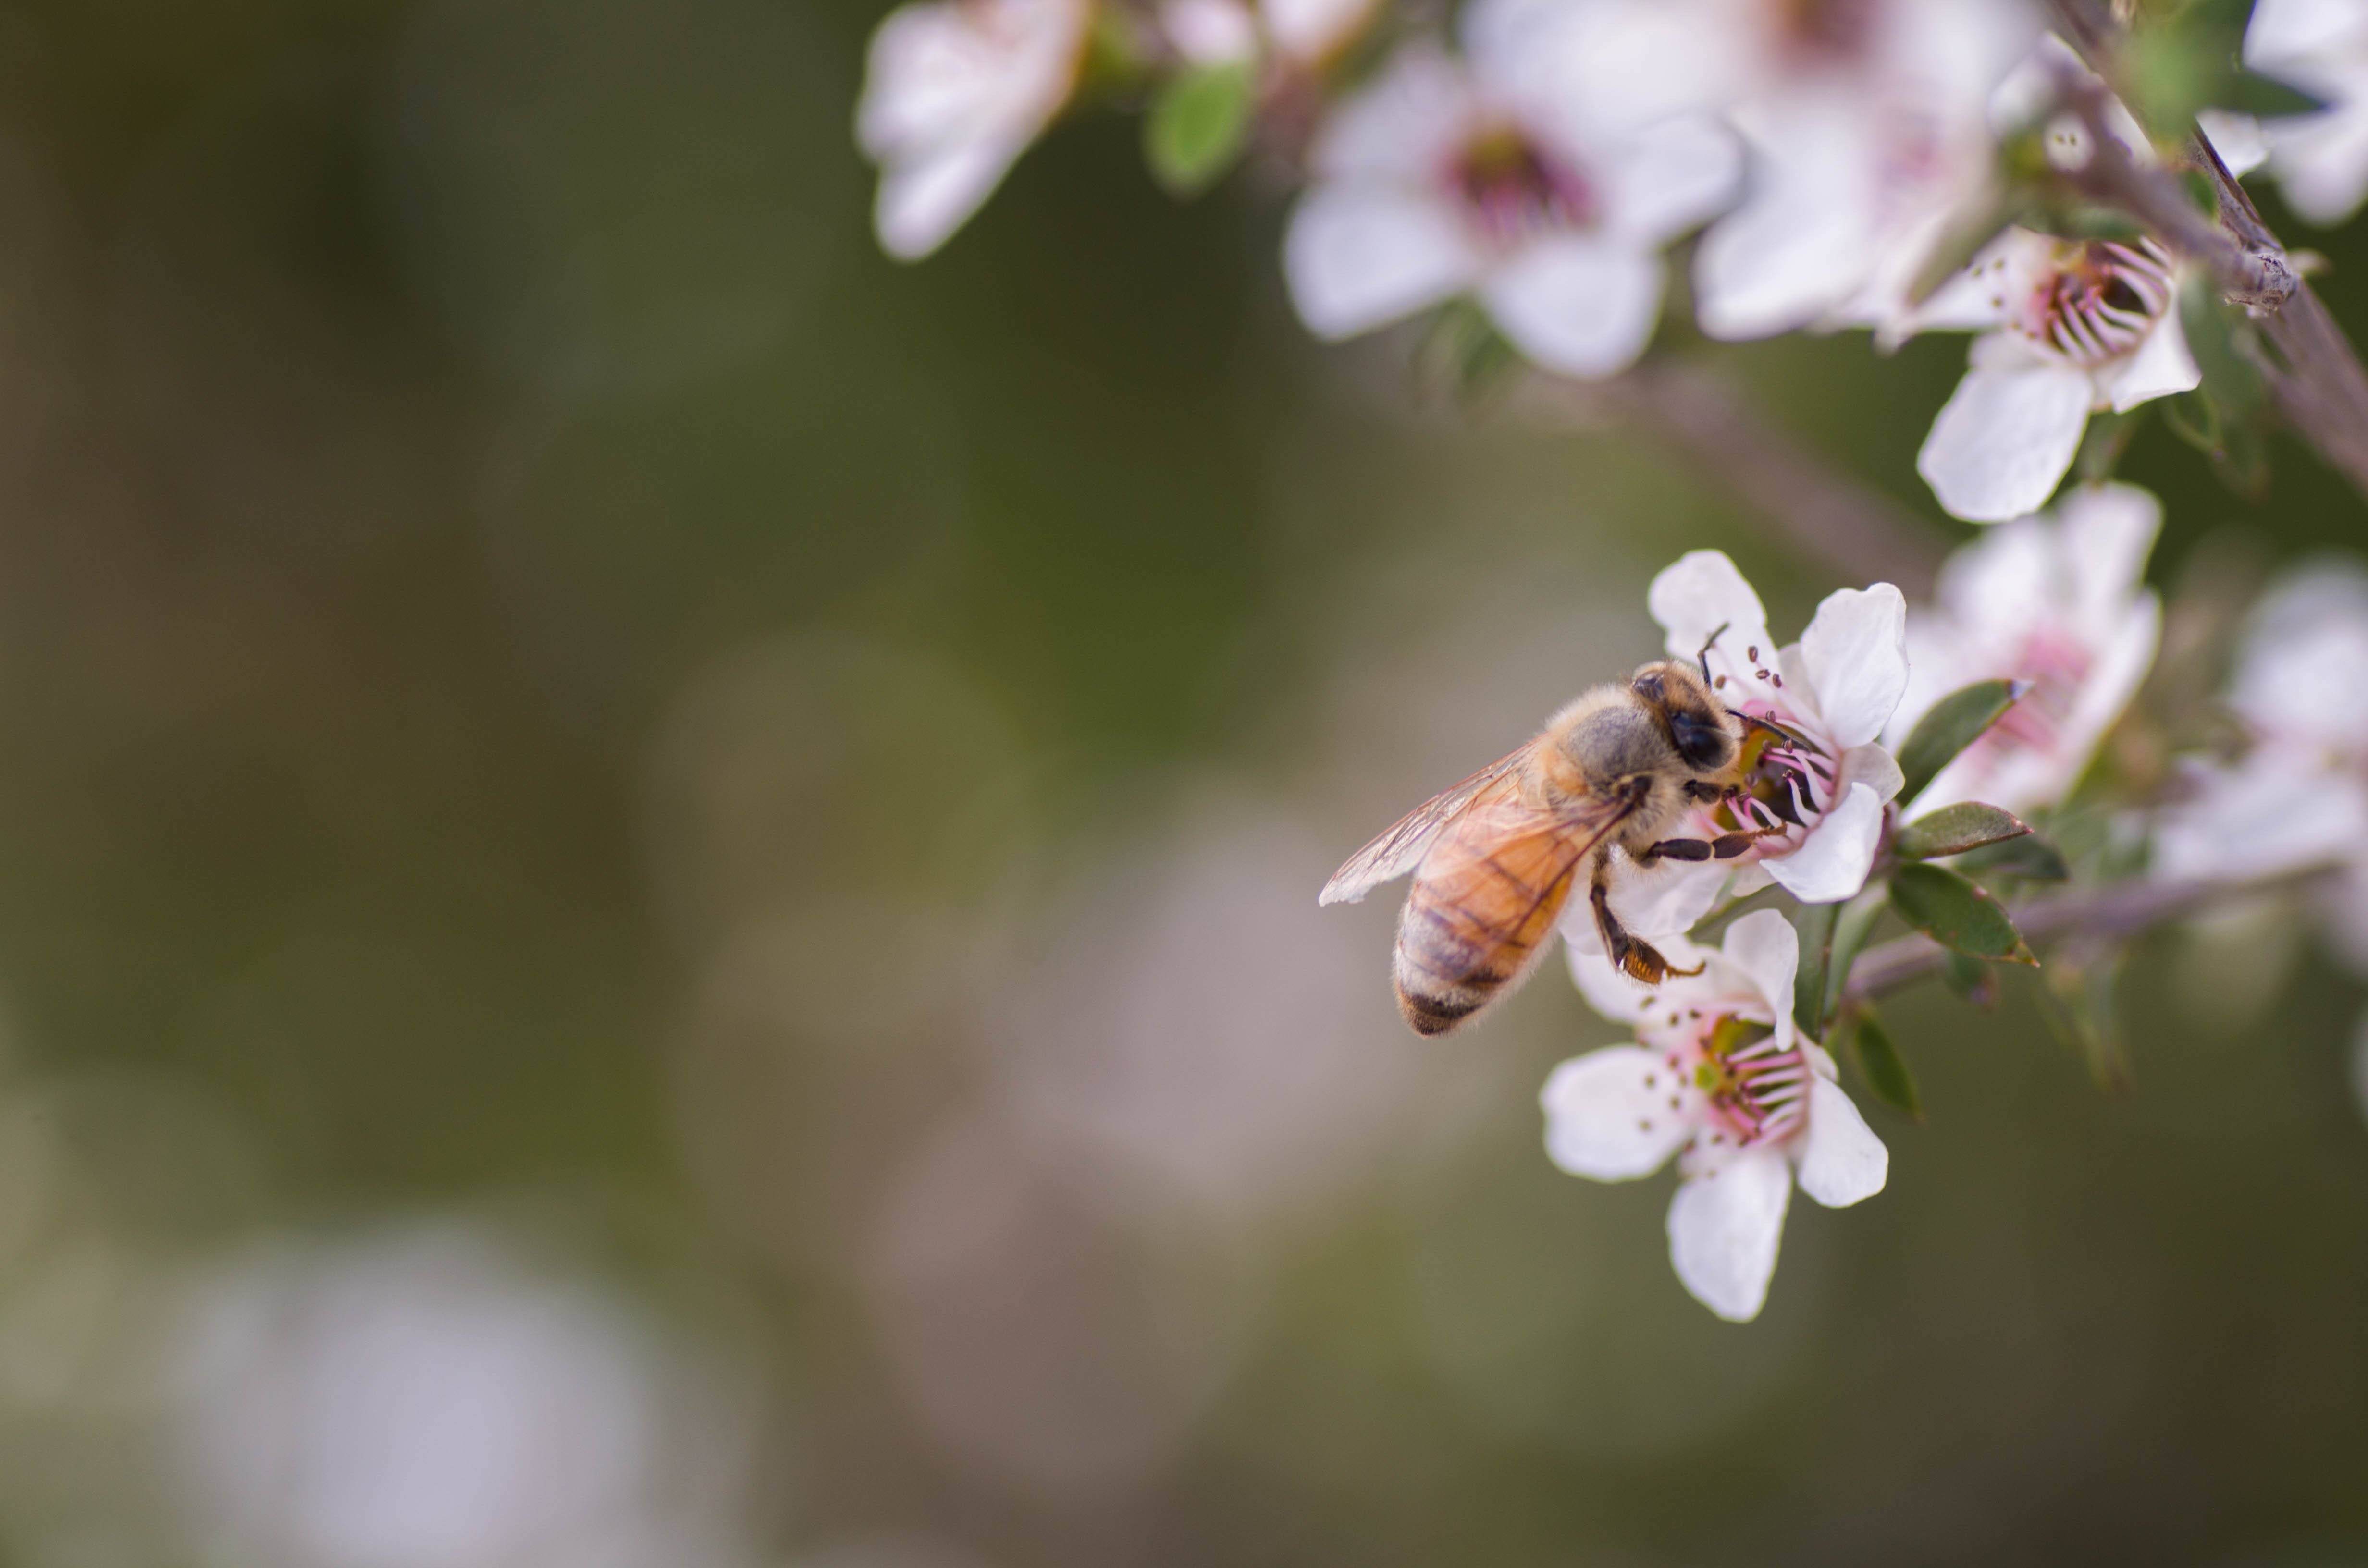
1788,786
1727,1074
1511,189
2100,300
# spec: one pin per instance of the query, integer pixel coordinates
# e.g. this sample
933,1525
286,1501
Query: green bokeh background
544,677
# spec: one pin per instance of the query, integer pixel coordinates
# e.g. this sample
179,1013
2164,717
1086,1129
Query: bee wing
1401,847
1506,838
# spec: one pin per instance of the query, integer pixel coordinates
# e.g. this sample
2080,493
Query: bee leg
1636,959
1727,846
1703,791
1678,850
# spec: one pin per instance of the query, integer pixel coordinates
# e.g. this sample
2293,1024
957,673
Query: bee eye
1701,740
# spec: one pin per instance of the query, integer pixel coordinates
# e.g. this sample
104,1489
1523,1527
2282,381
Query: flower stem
2313,372
2122,909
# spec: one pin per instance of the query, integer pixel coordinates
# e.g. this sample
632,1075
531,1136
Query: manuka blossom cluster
1560,170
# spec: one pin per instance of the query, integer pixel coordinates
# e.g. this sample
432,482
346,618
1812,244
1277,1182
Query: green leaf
1955,723
1199,123
1962,241
2031,857
1851,929
1463,355
2266,97
2102,444
2222,342
1879,1063
1815,923
1972,979
1957,914
2194,419
1952,830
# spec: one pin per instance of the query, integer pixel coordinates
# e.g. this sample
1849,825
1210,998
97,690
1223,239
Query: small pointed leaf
1880,1063
1198,125
1952,830
2032,858
1955,723
1973,978
2266,97
1957,914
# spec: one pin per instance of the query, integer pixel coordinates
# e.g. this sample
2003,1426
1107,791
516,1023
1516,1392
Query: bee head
1682,701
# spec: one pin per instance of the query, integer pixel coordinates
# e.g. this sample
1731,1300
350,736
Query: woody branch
2313,373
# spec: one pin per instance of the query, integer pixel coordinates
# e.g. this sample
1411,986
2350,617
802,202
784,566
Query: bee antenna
1703,656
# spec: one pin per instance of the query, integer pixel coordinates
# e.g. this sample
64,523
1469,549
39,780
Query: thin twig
2124,909
1854,531
2315,379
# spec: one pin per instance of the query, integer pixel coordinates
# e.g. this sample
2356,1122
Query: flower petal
1856,653
1988,292
1611,994
1802,244
2235,137
2003,440
1764,946
1842,1162
1663,898
1700,592
1579,305
1724,1226
1831,863
1669,178
1358,256
1402,129
1313,31
2108,531
1873,765
922,202
1608,1114
2160,367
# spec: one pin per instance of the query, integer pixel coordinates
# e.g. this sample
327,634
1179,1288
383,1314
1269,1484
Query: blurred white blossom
1487,176
2060,601
2321,46
1720,1078
2068,327
425,1399
1867,123
954,92
1301,34
2299,795
1816,777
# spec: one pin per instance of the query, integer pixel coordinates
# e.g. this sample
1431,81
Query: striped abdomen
1483,908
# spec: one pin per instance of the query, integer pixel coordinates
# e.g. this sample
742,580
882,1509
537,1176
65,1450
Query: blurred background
657,892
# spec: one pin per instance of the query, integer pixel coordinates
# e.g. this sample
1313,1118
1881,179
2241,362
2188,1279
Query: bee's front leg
1637,959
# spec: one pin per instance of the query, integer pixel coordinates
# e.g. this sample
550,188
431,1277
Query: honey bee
1495,858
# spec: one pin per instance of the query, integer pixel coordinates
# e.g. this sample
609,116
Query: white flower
2321,46
1719,1078
1867,125
2068,327
1485,177
2299,797
1818,779
427,1396
1300,35
954,92
2057,601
